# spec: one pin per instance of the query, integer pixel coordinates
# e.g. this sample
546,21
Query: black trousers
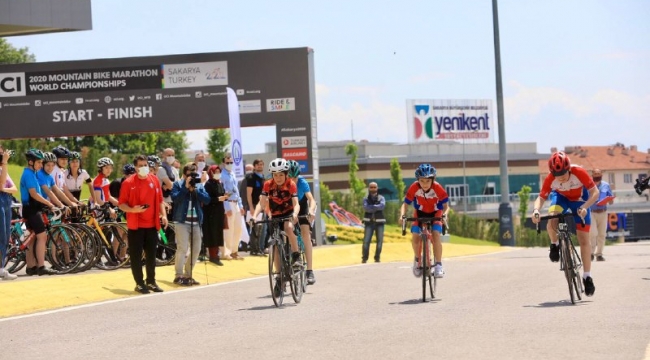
139,240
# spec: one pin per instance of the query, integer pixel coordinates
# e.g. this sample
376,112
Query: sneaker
30,271
193,282
417,272
377,260
141,289
43,271
438,272
178,280
154,287
6,275
363,261
600,258
589,286
216,261
203,258
554,253
311,280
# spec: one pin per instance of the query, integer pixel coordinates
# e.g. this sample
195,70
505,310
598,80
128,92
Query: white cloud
429,76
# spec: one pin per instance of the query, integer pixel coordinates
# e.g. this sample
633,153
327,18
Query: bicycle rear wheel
296,281
567,265
15,258
276,279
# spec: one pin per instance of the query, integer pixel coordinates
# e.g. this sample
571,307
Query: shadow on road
268,307
645,278
560,303
414,302
120,291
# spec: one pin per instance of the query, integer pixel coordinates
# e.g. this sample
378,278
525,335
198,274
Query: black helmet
34,154
128,169
154,158
61,152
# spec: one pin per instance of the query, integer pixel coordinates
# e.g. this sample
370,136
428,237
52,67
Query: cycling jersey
102,184
280,197
59,176
75,184
426,202
575,189
45,179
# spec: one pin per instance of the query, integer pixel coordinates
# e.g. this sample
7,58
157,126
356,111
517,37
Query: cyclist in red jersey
101,185
429,199
280,196
570,188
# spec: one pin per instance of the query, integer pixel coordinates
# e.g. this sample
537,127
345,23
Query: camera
195,178
641,185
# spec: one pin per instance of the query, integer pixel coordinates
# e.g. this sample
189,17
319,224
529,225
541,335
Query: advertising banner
431,120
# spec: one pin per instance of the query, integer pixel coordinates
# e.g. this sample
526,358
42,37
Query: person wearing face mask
166,176
141,200
201,168
599,216
569,187
213,215
373,221
234,210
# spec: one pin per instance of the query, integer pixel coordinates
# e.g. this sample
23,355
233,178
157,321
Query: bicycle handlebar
555,216
278,220
424,220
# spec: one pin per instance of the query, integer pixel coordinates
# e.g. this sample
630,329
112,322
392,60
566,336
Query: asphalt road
511,305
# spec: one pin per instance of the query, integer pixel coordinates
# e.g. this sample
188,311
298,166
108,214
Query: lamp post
506,228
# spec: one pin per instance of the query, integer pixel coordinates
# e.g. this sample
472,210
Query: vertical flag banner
235,134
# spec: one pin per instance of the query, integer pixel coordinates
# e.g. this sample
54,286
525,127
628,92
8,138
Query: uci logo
12,84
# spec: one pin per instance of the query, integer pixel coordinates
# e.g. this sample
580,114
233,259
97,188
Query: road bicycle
284,271
424,261
570,261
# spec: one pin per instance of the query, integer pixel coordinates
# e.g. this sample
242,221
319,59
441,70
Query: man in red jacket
141,200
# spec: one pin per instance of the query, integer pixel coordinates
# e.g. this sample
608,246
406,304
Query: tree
11,55
325,196
357,186
218,142
524,193
396,178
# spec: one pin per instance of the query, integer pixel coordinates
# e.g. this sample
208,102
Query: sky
574,72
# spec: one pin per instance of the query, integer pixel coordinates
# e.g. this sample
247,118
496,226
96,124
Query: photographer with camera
373,221
188,195
7,189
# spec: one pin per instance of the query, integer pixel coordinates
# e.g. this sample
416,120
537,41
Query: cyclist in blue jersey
308,208
33,202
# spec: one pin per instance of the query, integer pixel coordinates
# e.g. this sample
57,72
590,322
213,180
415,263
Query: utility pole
506,228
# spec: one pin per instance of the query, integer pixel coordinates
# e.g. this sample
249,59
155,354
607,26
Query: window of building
611,178
627,178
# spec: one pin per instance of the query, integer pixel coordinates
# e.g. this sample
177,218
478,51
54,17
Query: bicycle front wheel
567,265
276,278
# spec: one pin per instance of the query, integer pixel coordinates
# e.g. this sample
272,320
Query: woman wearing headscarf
213,214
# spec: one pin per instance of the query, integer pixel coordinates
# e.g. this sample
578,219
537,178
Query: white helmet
48,157
279,165
103,162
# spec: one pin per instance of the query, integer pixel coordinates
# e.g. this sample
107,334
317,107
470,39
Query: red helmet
559,163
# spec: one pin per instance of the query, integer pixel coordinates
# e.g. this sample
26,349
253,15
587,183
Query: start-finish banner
163,93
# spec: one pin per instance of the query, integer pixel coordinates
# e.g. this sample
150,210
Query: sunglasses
229,162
